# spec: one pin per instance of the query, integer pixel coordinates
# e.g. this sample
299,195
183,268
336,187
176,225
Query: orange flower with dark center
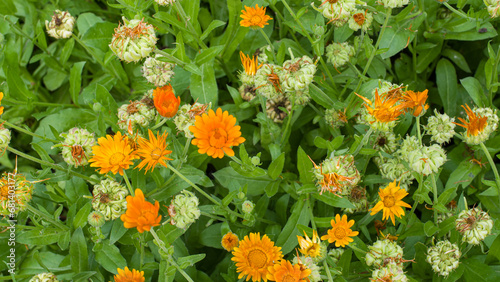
254,17
476,123
215,133
153,151
165,101
126,275
385,109
230,241
112,154
250,65
284,271
341,232
141,213
415,101
359,18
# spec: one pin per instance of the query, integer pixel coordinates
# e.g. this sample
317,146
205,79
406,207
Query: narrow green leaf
475,90
75,81
204,87
276,167
304,165
446,78
81,217
288,236
213,25
110,258
78,252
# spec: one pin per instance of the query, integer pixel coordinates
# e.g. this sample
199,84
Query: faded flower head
384,111
274,108
480,123
409,144
268,80
109,198
77,146
394,169
165,2
360,20
338,11
427,160
44,277
444,257
298,73
414,101
183,209
441,127
133,40
137,114
14,186
185,117
336,118
382,252
61,25
338,54
474,225
157,72
337,174
5,137
394,3
390,272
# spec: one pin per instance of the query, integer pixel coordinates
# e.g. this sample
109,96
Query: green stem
162,122
184,152
492,164
268,42
20,129
327,270
125,177
170,57
51,165
311,214
363,141
459,13
418,131
170,260
46,217
45,104
236,160
189,25
435,197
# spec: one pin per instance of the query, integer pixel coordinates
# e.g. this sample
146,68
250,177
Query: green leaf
473,33
276,167
334,200
456,58
109,106
477,271
78,251
66,51
463,174
99,36
304,165
446,78
39,236
75,81
213,25
86,21
321,97
288,236
272,188
190,260
81,217
430,228
204,87
398,35
475,90
208,55
110,258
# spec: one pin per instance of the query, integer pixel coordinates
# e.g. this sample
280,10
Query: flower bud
44,277
133,40
77,146
96,219
61,25
394,3
440,127
336,254
157,72
360,20
165,101
164,2
110,199
338,54
390,272
184,210
382,252
247,206
444,257
427,160
474,225
4,138
230,241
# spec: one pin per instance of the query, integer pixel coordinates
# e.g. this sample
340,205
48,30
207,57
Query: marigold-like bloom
112,154
415,101
165,101
153,151
284,271
250,65
476,124
215,133
341,232
254,17
230,241
385,109
1,108
141,213
391,202
254,256
310,247
125,275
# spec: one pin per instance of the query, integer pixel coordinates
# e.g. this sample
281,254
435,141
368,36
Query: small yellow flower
415,101
310,247
284,271
230,241
254,17
112,154
391,202
476,123
125,275
341,232
153,151
385,109
250,65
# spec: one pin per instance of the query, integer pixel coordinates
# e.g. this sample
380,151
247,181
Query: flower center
116,158
359,18
389,201
257,258
332,1
339,233
156,154
4,191
289,278
256,19
218,138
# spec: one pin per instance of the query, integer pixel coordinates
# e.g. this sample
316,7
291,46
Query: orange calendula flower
165,101
254,17
310,247
1,108
250,65
254,256
385,109
230,241
476,123
153,151
391,202
141,213
415,101
341,232
215,133
284,271
112,154
126,275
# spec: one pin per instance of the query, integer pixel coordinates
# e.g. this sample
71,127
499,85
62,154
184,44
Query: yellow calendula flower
125,275
153,151
341,232
284,271
113,153
250,65
310,247
476,124
415,101
391,202
254,256
385,108
254,17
